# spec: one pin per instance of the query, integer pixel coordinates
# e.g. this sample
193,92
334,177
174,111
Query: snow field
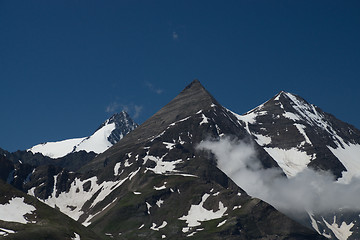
155,228
56,149
15,210
71,202
292,161
162,167
77,237
97,142
4,232
204,120
198,214
349,156
342,232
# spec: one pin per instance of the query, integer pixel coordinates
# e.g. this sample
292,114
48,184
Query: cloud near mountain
311,190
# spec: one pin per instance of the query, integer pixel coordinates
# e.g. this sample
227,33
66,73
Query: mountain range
194,170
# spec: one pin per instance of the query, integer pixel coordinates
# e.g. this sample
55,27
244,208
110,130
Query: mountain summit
109,133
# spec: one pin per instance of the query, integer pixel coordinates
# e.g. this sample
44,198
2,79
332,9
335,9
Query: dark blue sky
66,66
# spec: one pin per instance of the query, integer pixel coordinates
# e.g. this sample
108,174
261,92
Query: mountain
298,135
109,133
301,137
156,183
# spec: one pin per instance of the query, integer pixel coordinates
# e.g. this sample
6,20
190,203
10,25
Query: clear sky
66,66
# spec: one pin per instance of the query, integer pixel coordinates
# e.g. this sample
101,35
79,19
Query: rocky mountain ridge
158,182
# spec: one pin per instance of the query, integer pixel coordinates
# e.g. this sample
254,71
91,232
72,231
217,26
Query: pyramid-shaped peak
194,84
193,96
187,103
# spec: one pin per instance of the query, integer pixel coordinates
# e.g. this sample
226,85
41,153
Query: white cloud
309,189
175,35
132,109
151,87
137,111
112,107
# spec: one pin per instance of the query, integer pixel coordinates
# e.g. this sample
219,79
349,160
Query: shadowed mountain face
156,184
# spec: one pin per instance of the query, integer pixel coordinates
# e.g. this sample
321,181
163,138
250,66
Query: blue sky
66,66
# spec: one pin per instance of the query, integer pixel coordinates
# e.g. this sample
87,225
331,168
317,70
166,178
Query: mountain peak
194,84
197,92
284,96
192,99
117,118
106,135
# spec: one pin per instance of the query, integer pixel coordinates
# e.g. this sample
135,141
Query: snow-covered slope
297,134
57,149
109,133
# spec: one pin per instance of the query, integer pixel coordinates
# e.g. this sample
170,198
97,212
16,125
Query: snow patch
159,202
77,236
221,223
349,156
182,120
127,164
292,161
148,207
301,129
342,232
87,222
153,227
236,207
77,196
162,167
262,140
204,120
56,149
291,116
161,187
117,168
198,213
15,210
249,117
169,146
314,224
4,232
